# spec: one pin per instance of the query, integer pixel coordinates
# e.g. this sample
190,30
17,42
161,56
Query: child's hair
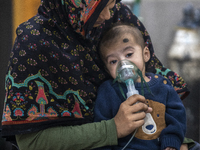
116,31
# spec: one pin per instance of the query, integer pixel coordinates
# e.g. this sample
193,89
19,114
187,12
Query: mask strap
62,1
143,82
117,77
120,88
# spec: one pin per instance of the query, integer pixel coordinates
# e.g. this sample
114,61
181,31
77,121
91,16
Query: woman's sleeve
87,136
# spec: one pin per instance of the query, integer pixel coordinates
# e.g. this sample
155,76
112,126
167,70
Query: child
126,42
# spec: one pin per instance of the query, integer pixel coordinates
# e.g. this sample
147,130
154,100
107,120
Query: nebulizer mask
127,72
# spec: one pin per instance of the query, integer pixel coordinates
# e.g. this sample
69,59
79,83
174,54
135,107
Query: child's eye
130,54
113,61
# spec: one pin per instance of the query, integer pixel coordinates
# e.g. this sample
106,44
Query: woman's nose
105,14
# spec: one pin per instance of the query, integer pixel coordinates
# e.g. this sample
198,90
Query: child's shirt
168,113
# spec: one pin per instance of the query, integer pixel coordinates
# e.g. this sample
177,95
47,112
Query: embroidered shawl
54,68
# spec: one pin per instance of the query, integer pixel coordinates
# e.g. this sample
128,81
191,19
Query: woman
53,74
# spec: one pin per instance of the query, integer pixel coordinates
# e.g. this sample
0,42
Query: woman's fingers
184,147
131,115
149,110
137,102
138,116
138,107
169,148
135,98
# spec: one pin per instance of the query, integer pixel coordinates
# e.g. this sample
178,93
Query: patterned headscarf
55,70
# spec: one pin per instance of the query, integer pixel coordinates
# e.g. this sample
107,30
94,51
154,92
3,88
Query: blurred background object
129,3
22,11
184,58
134,6
188,21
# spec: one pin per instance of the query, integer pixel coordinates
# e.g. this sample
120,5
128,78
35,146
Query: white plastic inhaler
127,72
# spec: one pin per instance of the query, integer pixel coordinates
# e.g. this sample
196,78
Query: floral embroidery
22,53
20,100
32,46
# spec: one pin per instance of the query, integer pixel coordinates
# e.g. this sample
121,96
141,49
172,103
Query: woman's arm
87,136
90,135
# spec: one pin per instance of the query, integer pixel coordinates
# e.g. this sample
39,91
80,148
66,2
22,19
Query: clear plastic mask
126,70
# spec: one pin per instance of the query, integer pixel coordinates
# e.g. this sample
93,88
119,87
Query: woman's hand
131,115
170,148
184,147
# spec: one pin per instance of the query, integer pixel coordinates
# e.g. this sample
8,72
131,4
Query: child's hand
170,148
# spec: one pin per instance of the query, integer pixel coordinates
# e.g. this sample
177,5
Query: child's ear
146,54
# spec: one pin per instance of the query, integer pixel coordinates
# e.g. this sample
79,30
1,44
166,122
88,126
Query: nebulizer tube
127,72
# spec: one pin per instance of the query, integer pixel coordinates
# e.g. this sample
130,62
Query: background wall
161,17
22,11
5,44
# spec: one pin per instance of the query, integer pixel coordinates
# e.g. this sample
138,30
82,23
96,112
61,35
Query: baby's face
124,48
